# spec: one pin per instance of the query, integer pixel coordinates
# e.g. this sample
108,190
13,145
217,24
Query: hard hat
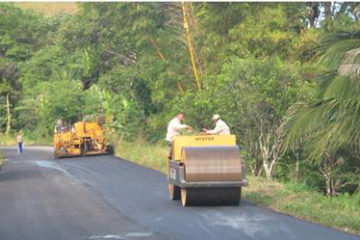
216,117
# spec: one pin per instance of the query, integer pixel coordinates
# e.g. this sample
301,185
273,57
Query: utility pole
190,45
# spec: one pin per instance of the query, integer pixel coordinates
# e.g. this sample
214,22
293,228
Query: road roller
205,170
83,139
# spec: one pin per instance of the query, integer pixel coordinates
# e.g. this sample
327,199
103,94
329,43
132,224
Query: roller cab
206,170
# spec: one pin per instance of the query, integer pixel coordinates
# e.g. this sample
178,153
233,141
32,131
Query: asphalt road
104,197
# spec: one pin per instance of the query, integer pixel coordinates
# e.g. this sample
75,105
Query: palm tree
331,123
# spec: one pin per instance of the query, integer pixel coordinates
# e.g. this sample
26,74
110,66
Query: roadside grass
10,140
49,8
341,212
142,153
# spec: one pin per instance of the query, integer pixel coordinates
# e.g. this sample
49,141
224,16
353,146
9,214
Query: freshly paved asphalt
103,197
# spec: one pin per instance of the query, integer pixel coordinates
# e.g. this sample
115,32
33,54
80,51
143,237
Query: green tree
259,92
329,124
22,34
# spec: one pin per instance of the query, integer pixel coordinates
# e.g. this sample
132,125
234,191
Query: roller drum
212,163
174,192
210,196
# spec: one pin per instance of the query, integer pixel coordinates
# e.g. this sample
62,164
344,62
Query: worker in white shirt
221,128
175,128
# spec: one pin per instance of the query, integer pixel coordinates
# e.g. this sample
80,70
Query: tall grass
28,139
142,153
50,8
341,212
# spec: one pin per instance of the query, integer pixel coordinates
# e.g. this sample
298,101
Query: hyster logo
172,173
204,138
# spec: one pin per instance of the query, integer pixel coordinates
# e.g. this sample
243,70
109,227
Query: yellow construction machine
205,170
84,138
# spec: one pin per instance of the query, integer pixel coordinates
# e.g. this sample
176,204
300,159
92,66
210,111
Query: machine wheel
110,149
85,149
174,192
56,156
210,196
239,196
184,199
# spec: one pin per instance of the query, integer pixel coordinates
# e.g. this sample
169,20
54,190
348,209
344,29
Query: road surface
103,197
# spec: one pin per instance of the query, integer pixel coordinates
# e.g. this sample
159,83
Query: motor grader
83,139
205,170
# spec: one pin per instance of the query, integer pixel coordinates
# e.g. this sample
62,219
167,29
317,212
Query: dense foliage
283,75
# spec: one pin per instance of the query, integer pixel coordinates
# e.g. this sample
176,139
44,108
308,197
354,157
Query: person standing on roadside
19,140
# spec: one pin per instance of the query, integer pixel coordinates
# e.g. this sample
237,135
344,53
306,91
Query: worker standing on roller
175,128
221,128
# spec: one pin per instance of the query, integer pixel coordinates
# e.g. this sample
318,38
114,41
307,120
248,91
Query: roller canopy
212,163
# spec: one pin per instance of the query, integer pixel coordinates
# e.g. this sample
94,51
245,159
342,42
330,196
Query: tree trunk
314,13
270,147
297,171
158,51
327,11
268,161
342,9
8,124
267,170
328,186
325,169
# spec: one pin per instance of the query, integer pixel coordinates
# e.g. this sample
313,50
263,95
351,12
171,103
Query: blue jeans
20,147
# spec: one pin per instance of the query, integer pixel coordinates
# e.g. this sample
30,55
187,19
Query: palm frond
330,39
351,63
336,53
329,123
